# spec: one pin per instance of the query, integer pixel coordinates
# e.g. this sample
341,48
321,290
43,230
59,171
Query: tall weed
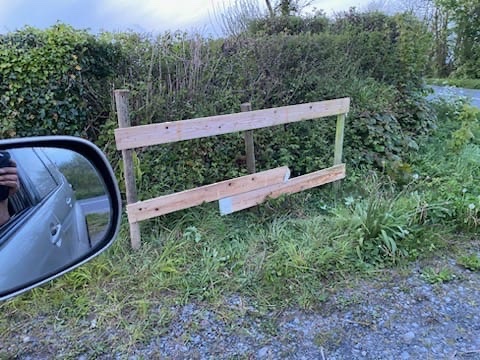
380,224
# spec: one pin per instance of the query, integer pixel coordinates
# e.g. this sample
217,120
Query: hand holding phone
6,177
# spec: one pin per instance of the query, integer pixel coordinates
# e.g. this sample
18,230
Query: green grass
293,251
471,262
463,83
437,276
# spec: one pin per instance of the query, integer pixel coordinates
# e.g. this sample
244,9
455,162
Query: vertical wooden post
121,101
249,145
337,159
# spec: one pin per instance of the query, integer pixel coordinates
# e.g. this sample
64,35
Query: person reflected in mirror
9,184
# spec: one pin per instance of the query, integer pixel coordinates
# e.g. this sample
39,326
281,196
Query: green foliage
290,24
83,178
175,76
48,82
449,181
389,49
471,262
437,276
458,190
455,26
382,224
467,29
412,48
469,131
266,70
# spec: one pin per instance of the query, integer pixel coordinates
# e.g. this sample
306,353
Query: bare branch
235,17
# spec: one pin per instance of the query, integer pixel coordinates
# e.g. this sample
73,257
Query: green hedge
59,81
52,82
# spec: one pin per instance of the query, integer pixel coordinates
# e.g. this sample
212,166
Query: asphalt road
99,204
448,91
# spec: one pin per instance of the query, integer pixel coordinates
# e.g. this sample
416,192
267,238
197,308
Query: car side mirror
61,207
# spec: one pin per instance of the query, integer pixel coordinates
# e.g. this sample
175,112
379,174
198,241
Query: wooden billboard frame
235,194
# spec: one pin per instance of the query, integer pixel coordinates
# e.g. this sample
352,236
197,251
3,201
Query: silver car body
41,239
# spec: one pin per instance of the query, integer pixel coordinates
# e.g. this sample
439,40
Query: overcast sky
141,15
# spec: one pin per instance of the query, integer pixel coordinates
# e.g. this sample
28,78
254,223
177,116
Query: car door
68,223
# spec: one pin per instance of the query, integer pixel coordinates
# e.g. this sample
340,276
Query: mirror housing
96,160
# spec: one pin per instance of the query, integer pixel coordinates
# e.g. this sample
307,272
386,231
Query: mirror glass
54,211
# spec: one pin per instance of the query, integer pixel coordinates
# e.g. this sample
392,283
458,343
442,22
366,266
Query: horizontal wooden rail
235,194
182,200
162,133
297,184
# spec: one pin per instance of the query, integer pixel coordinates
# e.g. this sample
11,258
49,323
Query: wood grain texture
297,184
339,139
249,143
121,104
182,200
162,133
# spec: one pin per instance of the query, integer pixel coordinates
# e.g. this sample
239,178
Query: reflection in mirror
54,210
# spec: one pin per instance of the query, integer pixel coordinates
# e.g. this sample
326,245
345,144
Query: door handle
55,234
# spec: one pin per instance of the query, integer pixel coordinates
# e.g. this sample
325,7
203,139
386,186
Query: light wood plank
338,152
182,200
297,184
162,133
337,159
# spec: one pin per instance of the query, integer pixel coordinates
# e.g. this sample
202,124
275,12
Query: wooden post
121,101
337,157
249,145
339,139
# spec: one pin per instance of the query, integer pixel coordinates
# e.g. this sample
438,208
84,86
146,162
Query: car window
36,175
49,164
20,200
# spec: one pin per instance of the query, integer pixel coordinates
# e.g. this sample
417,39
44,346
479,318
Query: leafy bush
451,182
391,49
175,76
291,24
469,130
50,82
269,71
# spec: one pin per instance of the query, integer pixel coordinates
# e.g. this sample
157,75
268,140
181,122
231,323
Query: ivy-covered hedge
59,81
51,82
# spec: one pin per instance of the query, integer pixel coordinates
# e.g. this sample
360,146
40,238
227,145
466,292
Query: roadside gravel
400,316
396,315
